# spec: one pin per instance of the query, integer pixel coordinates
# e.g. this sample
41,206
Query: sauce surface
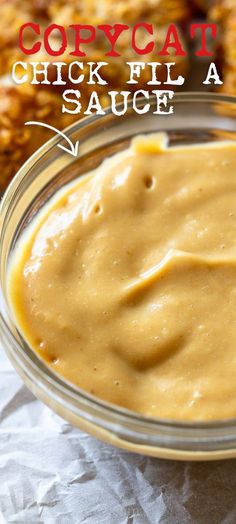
126,285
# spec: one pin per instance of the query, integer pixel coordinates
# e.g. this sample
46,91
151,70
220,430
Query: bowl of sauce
118,276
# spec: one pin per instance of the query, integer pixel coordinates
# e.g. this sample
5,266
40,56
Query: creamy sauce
126,284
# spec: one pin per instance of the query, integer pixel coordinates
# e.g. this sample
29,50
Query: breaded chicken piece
224,13
159,12
117,72
15,13
43,103
18,142
202,5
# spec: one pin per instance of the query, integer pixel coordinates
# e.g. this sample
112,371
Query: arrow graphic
72,150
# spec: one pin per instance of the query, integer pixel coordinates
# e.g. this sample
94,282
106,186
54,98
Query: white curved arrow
72,150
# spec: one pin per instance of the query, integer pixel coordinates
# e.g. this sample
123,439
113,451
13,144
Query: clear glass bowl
197,118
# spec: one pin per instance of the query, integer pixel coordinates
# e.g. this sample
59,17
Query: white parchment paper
51,473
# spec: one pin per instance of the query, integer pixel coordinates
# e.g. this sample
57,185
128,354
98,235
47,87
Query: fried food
43,103
224,13
116,74
159,12
18,142
202,5
21,103
14,14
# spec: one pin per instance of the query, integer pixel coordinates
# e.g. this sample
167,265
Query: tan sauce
126,285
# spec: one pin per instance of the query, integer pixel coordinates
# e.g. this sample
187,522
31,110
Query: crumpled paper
52,473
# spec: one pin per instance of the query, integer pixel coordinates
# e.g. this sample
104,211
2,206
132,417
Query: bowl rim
64,388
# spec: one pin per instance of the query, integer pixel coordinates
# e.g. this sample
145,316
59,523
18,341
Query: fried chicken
43,103
160,12
18,142
224,13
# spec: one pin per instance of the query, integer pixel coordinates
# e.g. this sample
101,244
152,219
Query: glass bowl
197,118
